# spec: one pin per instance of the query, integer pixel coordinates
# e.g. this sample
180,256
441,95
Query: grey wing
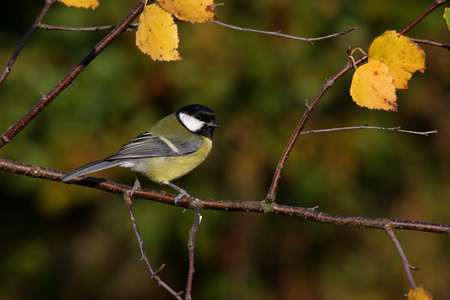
149,145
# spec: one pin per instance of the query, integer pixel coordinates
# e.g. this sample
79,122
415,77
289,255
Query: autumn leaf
400,54
419,294
393,58
447,16
81,3
194,11
157,34
373,86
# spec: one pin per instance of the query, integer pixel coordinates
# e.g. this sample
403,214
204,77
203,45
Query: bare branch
135,25
398,129
406,265
93,28
128,202
226,205
435,5
191,246
22,43
271,195
334,34
277,33
431,43
68,79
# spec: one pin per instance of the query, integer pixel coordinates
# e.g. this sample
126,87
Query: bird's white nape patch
191,123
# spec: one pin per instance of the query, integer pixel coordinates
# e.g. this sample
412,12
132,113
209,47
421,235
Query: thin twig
334,34
225,205
445,46
135,25
271,194
277,33
435,5
191,247
22,43
93,28
398,129
69,78
128,202
406,265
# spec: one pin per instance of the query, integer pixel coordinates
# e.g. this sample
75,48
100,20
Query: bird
171,148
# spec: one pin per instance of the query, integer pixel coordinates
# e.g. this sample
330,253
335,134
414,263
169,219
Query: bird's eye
200,117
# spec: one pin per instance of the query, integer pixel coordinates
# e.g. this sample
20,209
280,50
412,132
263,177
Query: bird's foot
137,185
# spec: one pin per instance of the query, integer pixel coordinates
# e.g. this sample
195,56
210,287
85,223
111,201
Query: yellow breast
166,169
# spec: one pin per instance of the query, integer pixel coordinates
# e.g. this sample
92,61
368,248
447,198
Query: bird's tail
89,168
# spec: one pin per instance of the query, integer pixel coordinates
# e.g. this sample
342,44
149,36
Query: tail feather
90,168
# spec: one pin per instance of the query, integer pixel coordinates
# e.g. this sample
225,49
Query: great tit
173,147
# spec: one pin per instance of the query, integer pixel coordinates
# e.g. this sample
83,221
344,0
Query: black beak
213,124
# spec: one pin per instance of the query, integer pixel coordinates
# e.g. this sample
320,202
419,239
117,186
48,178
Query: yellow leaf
81,3
419,294
194,11
373,87
400,54
157,34
447,16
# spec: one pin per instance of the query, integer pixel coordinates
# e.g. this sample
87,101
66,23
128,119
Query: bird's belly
166,169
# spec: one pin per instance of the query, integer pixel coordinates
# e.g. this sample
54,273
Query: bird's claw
180,195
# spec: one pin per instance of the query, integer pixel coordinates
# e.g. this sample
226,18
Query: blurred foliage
69,242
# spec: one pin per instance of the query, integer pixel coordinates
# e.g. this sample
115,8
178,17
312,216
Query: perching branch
228,205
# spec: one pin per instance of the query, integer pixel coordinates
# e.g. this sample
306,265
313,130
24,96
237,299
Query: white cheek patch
191,123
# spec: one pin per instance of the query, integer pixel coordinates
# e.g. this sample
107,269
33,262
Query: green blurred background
70,242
